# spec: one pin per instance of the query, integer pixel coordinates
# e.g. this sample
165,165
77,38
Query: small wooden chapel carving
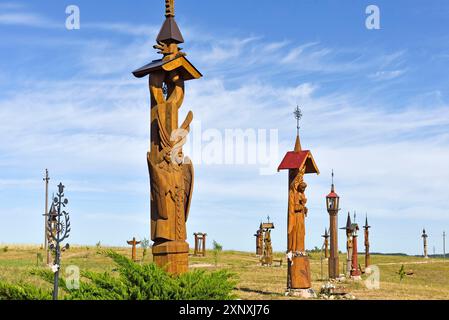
298,163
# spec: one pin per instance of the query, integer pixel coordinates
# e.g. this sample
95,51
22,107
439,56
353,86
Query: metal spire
332,188
366,222
46,180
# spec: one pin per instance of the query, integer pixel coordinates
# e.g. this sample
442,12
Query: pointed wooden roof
298,158
170,32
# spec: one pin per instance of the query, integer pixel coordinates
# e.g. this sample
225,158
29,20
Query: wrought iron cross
298,117
58,232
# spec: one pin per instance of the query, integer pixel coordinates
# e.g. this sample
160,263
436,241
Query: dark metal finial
46,178
298,117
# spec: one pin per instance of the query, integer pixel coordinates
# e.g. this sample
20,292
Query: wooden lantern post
333,206
355,270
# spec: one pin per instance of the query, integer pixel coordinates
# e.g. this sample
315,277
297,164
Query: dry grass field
430,279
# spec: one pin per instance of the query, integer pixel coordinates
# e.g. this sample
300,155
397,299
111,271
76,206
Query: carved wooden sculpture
171,174
348,230
267,250
299,162
134,243
259,241
267,257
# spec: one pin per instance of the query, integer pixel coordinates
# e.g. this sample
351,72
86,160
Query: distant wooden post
326,243
47,252
367,254
424,237
444,245
200,244
134,243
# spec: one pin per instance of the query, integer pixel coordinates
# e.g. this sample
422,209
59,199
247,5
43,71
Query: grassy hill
429,279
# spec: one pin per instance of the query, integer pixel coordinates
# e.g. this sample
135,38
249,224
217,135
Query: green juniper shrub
131,281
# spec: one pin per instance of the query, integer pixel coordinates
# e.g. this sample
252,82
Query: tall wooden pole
367,253
333,206
46,179
444,244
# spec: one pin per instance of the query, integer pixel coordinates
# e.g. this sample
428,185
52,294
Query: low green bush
131,281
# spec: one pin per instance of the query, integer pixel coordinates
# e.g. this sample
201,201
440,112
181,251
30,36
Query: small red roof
297,159
332,195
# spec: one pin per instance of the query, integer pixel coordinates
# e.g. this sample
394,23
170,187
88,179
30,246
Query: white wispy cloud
387,75
26,19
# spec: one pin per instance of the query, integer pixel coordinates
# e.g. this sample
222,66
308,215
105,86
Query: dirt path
412,262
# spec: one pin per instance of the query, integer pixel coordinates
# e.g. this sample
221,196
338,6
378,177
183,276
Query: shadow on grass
266,293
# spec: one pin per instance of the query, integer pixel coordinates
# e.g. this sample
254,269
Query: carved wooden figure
259,241
171,174
267,252
134,243
298,163
348,230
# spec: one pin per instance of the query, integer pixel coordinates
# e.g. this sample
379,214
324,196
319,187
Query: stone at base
302,293
300,273
172,256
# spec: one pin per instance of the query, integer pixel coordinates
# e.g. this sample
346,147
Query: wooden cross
134,243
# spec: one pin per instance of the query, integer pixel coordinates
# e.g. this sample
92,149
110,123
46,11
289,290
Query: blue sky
375,106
